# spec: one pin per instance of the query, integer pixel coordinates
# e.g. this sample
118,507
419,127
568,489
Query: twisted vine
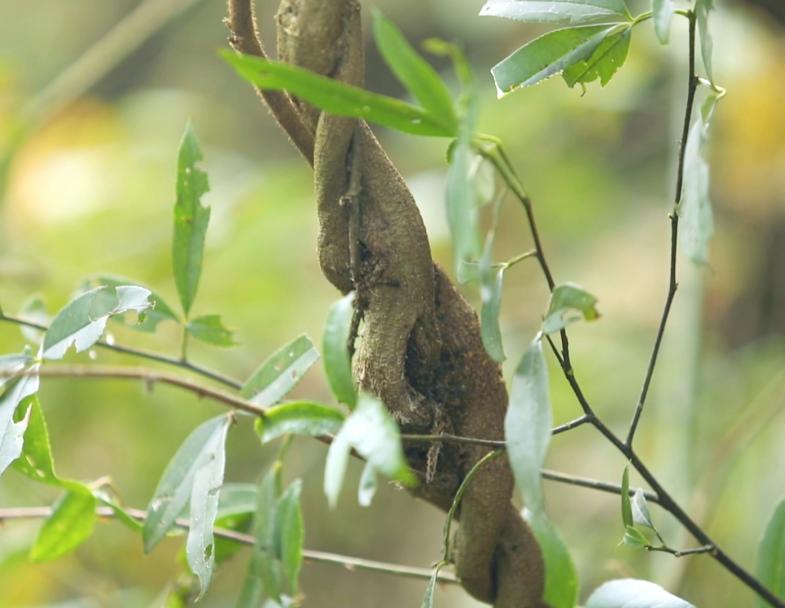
419,348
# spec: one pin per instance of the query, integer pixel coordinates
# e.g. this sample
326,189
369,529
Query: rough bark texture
419,347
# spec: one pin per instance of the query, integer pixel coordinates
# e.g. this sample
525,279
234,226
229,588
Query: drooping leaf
205,491
335,347
16,392
70,524
569,12
626,506
337,98
158,312
462,207
633,593
289,534
83,320
280,372
372,432
771,555
190,219
430,590
695,210
547,55
663,14
36,461
527,425
603,63
702,10
419,78
211,329
491,282
198,453
561,578
640,510
569,303
299,418
368,485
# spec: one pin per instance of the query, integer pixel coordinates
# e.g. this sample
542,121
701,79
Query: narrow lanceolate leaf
547,55
663,14
280,372
628,593
626,506
491,282
190,220
19,391
527,425
771,555
368,486
335,349
290,534
603,63
702,9
569,12
373,433
695,210
561,578
430,590
197,454
569,303
36,461
299,418
336,97
69,525
158,312
83,320
419,78
211,329
462,207
205,491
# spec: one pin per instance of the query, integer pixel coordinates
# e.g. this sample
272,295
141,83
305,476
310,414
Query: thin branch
141,354
680,552
147,375
674,219
593,484
348,562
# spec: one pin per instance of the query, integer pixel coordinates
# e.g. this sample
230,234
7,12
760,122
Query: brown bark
419,347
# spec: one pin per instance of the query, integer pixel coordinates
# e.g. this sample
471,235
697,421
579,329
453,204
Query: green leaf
663,14
626,506
197,454
771,555
419,78
640,510
210,329
336,97
148,321
36,460
628,592
462,207
280,372
430,589
120,513
571,12
569,303
702,9
33,310
289,533
695,210
368,486
547,55
83,320
561,578
634,537
335,347
491,296
373,433
236,499
205,491
608,57
190,220
264,577
19,391
11,364
527,425
69,525
442,48
299,418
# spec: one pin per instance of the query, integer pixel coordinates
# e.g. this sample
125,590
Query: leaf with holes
148,321
568,12
299,418
527,425
280,372
16,392
82,321
603,63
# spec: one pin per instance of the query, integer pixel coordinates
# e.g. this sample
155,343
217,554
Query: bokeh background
89,188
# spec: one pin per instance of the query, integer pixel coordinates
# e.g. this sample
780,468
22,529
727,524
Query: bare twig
593,484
